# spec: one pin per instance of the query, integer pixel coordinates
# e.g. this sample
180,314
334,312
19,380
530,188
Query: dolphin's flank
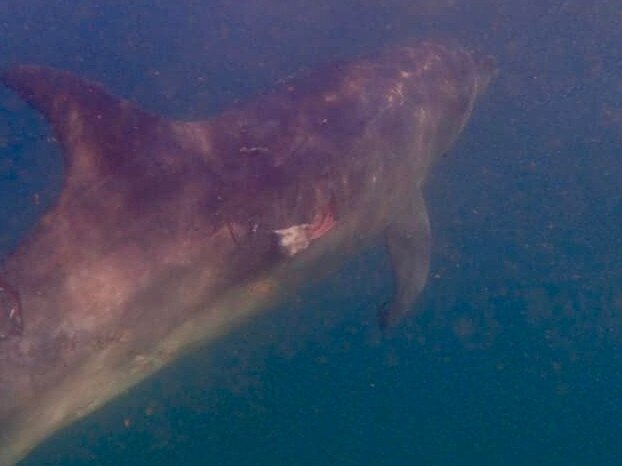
168,233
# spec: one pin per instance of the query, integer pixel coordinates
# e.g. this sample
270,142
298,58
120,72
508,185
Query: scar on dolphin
11,322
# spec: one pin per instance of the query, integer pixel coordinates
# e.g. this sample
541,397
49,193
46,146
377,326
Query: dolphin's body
167,233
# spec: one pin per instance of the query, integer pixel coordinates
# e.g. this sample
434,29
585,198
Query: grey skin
168,233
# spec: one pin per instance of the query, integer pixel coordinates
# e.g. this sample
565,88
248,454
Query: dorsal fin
98,131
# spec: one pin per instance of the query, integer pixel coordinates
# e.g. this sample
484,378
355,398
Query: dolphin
166,234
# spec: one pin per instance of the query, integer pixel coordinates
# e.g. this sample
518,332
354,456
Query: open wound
297,238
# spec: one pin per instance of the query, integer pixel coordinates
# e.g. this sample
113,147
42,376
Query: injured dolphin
167,233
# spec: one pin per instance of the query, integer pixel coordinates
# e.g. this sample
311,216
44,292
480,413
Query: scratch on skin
10,311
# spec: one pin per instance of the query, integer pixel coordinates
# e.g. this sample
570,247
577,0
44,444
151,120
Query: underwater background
514,354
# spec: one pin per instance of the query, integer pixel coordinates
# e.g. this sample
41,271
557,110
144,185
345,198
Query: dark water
514,357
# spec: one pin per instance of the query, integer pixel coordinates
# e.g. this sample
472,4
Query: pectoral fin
408,243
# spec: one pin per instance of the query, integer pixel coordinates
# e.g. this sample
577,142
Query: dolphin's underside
167,233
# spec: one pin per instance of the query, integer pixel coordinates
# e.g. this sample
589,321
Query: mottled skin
164,234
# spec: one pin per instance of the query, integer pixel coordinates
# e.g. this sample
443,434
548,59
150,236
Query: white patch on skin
297,238
294,239
245,149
